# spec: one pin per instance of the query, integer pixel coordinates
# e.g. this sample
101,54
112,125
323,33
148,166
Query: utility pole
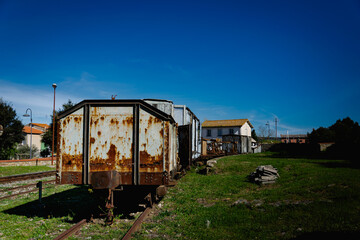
53,133
276,121
268,125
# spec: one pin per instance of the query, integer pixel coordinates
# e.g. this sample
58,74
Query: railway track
77,227
71,230
22,187
136,224
21,177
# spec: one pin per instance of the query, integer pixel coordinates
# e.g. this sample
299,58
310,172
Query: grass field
311,199
15,170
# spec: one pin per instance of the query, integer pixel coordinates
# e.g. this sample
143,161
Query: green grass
14,170
311,198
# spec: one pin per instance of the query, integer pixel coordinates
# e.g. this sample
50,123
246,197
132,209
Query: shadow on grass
79,203
328,159
329,235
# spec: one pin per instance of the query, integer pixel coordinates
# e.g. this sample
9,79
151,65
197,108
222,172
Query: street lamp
27,115
53,132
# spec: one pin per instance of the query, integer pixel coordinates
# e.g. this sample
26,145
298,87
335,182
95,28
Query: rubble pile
265,174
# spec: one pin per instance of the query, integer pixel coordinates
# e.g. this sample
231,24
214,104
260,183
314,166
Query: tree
263,132
344,131
12,130
47,137
24,151
253,135
321,135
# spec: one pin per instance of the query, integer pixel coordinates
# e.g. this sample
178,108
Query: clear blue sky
298,61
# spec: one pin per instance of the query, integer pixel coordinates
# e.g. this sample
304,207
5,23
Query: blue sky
298,61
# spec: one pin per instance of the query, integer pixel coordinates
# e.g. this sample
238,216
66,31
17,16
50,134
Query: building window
208,133
231,131
219,132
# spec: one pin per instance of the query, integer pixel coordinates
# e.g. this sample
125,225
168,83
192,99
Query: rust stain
112,153
125,164
99,164
99,133
150,121
92,140
158,120
77,119
149,161
129,120
71,162
102,118
167,145
114,121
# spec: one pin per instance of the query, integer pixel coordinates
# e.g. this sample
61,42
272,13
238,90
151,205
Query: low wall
29,162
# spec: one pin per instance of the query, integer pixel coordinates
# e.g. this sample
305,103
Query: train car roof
122,102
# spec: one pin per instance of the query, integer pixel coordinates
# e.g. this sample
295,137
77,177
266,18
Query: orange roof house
27,130
218,128
38,129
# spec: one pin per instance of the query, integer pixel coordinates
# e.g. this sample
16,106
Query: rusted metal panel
71,178
153,178
173,149
185,145
111,138
116,143
106,179
70,147
151,145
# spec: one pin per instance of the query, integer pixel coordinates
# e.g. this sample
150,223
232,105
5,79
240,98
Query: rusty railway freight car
112,143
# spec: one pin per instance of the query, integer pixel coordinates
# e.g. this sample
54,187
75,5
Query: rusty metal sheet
106,179
111,138
70,146
152,178
173,149
151,143
185,145
71,178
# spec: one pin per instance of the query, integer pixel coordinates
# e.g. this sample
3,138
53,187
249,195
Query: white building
235,129
38,129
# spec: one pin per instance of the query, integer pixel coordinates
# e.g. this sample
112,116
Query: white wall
214,131
36,140
245,130
179,115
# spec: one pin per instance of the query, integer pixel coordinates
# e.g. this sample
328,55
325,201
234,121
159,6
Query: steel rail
17,194
136,224
14,178
25,186
71,230
20,193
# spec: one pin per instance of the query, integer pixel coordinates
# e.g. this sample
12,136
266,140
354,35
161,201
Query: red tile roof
43,125
27,130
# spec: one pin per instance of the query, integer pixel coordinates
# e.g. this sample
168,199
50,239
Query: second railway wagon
111,143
